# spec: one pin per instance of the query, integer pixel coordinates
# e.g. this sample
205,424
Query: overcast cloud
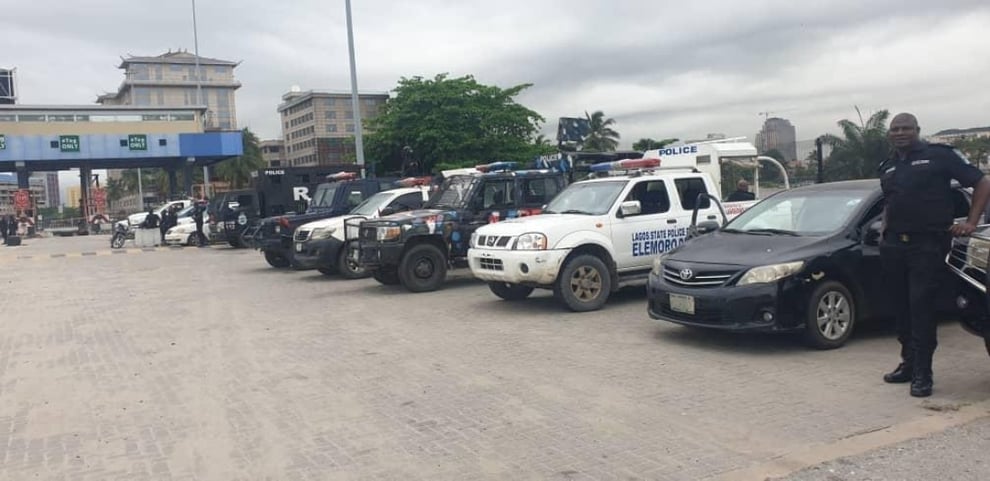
660,68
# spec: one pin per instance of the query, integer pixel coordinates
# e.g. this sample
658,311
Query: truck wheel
423,268
584,284
831,316
510,292
326,271
348,267
235,243
386,276
276,260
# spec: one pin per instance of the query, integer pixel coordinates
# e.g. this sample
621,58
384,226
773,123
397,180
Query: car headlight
322,233
658,264
531,242
474,239
771,273
387,233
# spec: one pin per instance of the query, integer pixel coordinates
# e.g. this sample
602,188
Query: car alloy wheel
834,315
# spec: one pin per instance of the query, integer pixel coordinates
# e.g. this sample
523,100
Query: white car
322,244
596,236
134,220
183,233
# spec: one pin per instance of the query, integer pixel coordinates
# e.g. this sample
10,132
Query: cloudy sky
661,68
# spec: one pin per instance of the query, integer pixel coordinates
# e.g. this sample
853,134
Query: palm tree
601,138
650,144
860,150
238,170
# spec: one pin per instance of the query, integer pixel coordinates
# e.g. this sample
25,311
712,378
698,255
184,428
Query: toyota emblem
686,274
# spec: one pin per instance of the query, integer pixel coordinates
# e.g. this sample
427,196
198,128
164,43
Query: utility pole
818,157
199,94
355,104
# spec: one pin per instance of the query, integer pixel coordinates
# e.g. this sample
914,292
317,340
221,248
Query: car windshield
323,197
453,192
186,212
592,198
372,204
808,213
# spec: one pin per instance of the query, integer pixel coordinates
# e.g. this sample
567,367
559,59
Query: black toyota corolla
803,260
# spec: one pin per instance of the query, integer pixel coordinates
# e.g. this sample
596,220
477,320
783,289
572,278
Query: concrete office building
950,136
273,151
317,125
779,134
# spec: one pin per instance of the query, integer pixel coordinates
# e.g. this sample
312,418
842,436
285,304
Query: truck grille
697,279
368,234
490,264
301,235
493,241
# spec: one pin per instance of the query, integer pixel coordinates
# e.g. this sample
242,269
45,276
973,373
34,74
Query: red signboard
22,199
99,200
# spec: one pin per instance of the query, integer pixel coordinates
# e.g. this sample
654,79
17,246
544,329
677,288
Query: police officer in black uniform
917,230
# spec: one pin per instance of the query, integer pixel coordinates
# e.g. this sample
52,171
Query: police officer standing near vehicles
918,225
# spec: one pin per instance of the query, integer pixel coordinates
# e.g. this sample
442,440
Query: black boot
902,374
921,384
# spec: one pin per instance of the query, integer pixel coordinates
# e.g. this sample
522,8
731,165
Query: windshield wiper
575,211
775,231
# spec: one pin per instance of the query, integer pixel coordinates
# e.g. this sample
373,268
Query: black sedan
804,260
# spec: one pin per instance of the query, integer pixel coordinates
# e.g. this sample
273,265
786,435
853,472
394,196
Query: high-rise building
273,151
778,134
317,125
169,80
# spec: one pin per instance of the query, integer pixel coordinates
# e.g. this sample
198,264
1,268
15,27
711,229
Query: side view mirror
630,208
388,211
707,226
872,236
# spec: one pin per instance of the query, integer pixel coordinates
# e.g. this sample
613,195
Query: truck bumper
314,254
375,256
531,268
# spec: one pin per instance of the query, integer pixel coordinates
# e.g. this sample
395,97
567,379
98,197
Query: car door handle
711,217
671,221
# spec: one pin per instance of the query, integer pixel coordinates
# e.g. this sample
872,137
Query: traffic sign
22,199
68,143
3,142
137,142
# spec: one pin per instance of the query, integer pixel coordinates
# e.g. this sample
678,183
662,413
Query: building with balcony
170,80
273,151
317,126
950,136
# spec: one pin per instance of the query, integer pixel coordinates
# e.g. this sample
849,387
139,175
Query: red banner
22,199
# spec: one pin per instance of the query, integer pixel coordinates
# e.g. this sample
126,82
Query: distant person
742,193
11,226
169,220
3,228
150,221
199,212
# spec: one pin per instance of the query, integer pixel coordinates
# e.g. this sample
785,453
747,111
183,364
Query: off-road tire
347,268
584,284
831,316
277,261
510,292
386,276
423,268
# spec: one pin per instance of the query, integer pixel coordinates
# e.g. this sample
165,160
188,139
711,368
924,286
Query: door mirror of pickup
707,226
630,208
872,236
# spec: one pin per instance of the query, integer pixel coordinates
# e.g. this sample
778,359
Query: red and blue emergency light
626,164
494,166
342,176
414,181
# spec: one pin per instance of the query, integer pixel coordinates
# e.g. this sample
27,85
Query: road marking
815,454
76,255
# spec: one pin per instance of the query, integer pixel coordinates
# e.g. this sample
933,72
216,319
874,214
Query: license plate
298,247
682,303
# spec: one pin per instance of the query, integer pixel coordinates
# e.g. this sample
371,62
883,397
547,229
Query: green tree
860,149
602,138
976,149
452,122
238,170
642,145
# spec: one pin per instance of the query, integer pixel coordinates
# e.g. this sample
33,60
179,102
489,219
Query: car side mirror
630,208
872,236
388,211
707,226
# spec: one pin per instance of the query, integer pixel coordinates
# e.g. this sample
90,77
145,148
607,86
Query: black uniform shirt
918,190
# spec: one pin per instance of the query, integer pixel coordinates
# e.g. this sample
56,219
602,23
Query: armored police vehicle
322,244
597,235
340,193
274,191
416,248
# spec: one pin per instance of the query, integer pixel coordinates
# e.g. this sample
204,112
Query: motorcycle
120,233
968,259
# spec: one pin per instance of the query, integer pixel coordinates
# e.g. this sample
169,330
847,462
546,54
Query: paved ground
206,364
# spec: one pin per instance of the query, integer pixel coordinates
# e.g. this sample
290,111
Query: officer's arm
981,194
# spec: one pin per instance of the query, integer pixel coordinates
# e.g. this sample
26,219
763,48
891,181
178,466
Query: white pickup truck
597,235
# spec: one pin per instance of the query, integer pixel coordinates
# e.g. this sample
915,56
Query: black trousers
913,268
200,235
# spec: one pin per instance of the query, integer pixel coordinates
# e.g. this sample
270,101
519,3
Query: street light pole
199,93
355,105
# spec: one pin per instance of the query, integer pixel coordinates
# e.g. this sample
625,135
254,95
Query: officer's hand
963,229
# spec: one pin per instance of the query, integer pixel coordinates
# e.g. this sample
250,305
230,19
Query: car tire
831,316
423,268
348,268
191,240
510,292
277,261
326,271
584,284
386,276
